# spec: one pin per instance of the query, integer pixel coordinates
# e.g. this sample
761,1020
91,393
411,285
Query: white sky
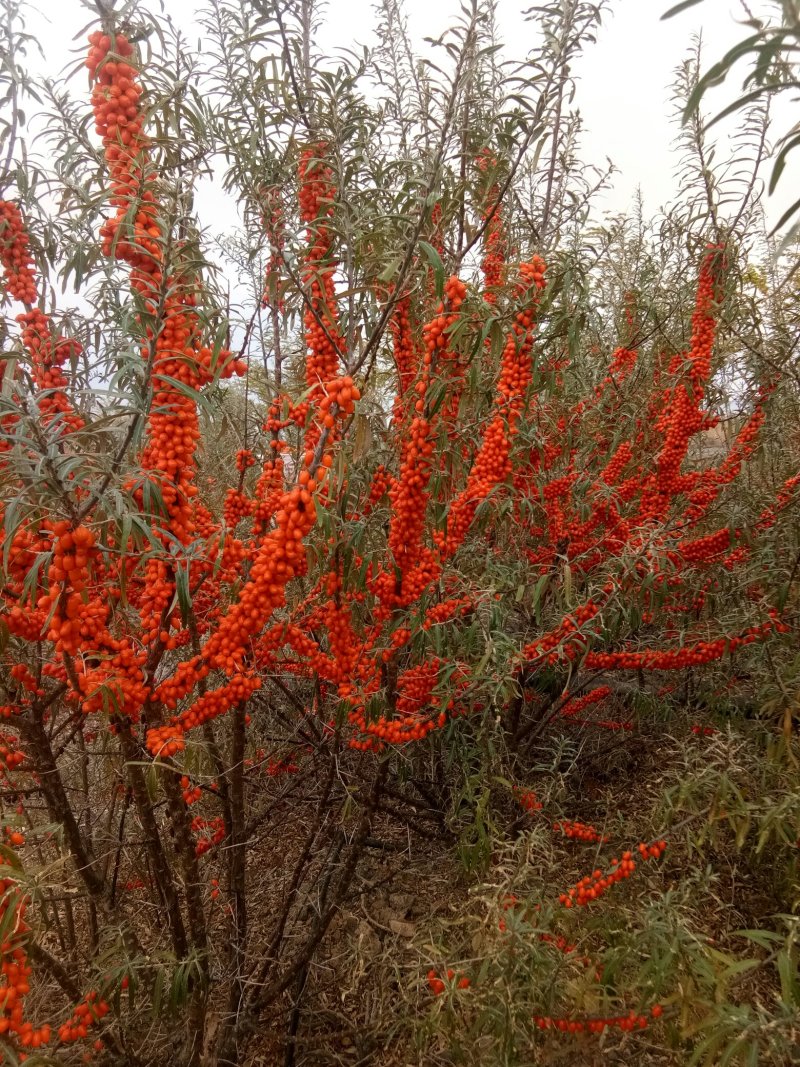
624,79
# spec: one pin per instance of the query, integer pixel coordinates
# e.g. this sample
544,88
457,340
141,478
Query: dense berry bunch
409,494
118,121
11,756
492,463
70,621
682,416
48,354
15,255
406,357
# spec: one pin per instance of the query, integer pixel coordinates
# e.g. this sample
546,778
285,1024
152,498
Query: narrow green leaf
684,5
435,261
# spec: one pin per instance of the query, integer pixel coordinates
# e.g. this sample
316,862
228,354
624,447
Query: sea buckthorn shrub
425,498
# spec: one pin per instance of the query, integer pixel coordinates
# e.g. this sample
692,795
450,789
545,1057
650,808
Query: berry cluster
681,417
577,704
597,1025
244,459
275,229
166,740
15,971
71,619
11,756
568,632
406,357
211,832
47,355
419,709
15,255
579,831
494,241
191,794
594,885
116,101
527,800
438,985
317,193
85,1015
492,464
688,656
381,484
409,494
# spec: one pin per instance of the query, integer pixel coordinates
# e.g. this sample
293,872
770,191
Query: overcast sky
624,79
